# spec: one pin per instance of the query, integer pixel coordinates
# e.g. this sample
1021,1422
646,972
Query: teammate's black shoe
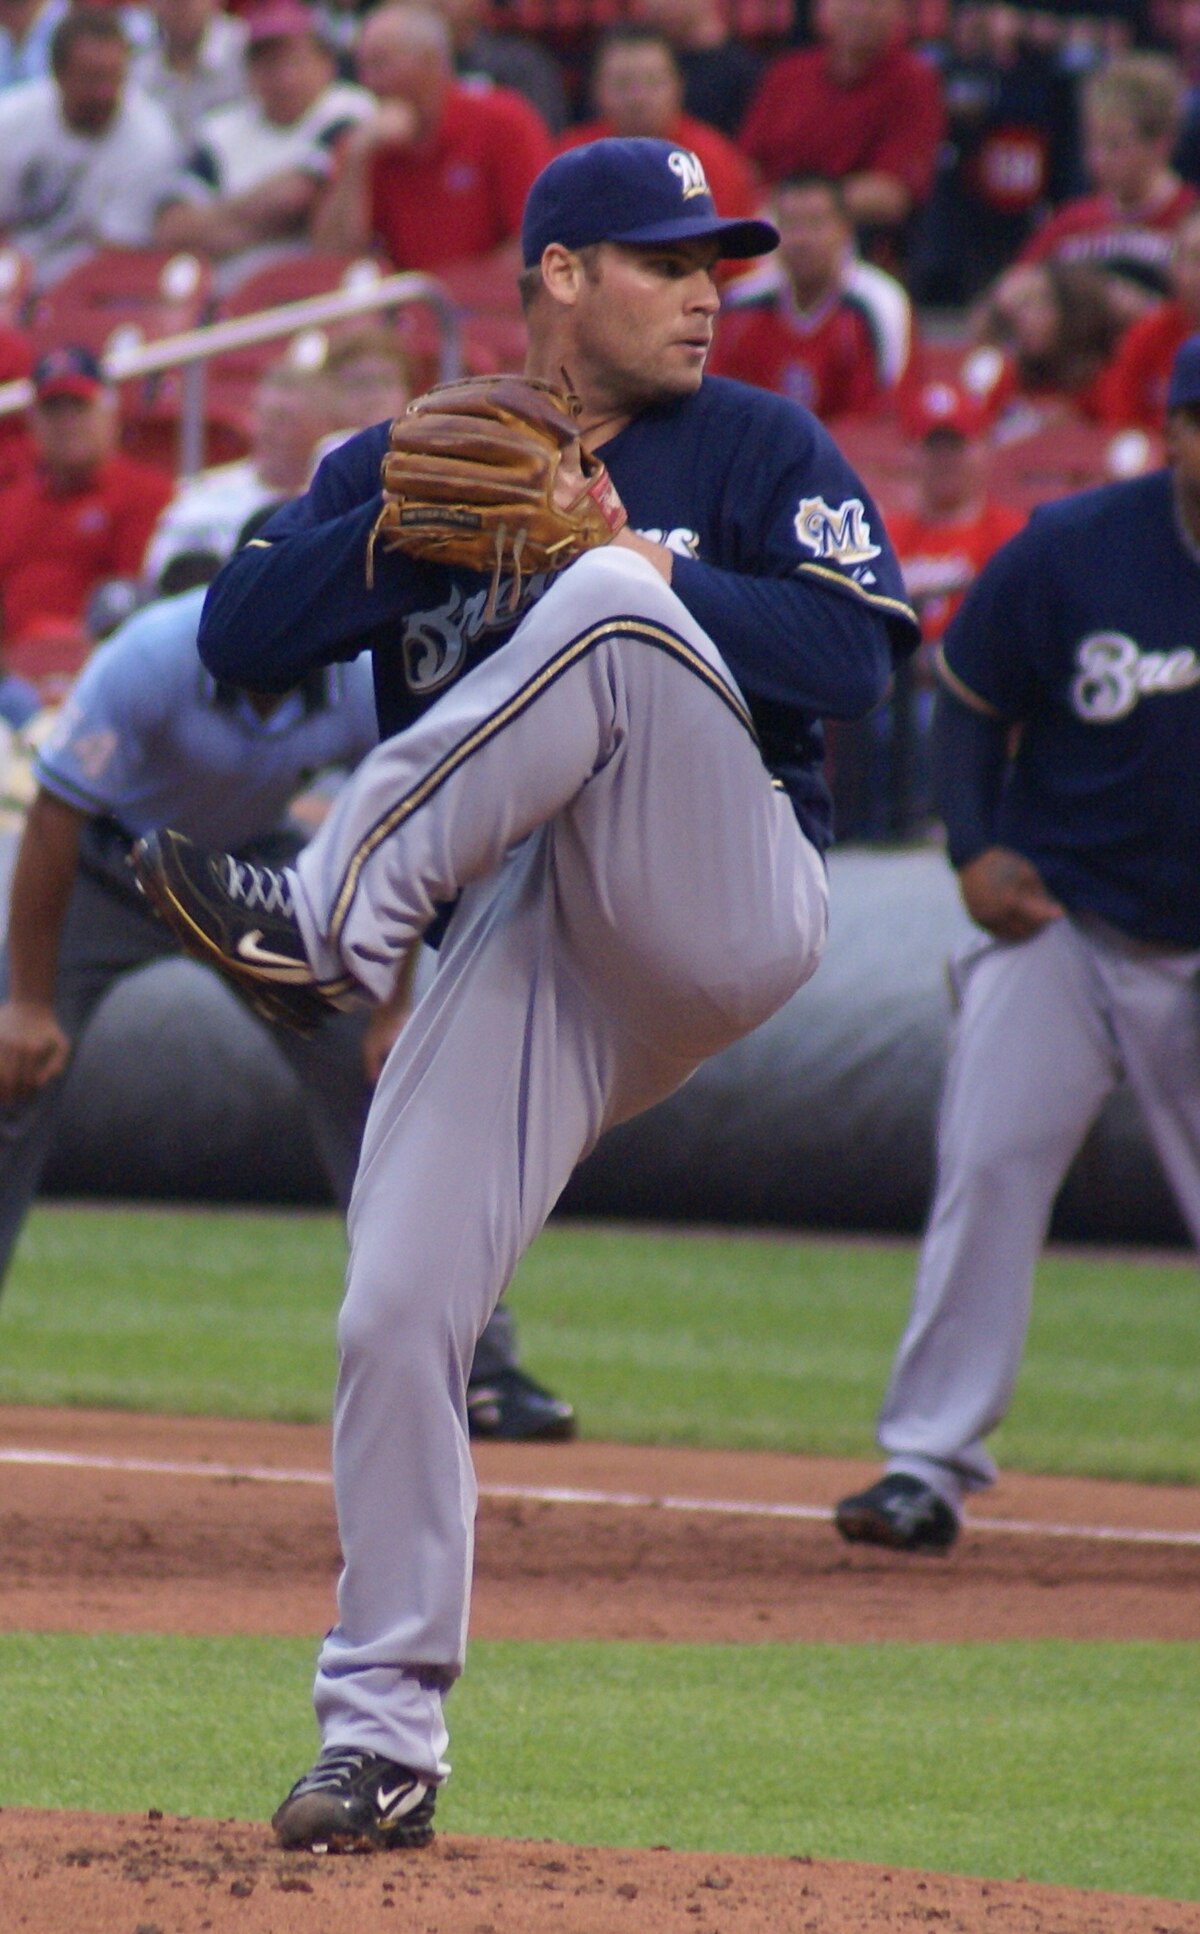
240,919
900,1512
512,1406
354,1802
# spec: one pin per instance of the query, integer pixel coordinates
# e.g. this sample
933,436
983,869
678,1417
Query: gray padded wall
824,1117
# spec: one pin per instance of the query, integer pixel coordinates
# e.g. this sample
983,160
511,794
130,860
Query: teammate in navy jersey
1078,854
622,793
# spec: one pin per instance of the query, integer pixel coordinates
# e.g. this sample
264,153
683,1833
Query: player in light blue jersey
148,734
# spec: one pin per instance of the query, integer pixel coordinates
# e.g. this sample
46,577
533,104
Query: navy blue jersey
1085,630
781,557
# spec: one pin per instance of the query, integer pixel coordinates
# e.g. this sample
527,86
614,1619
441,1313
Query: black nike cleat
240,919
511,1407
353,1801
900,1513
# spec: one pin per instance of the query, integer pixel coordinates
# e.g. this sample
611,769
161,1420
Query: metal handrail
191,350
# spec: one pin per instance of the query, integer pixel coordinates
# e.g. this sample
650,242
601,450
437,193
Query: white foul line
566,1494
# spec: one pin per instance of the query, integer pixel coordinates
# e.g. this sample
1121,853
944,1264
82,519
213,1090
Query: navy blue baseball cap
1184,386
634,190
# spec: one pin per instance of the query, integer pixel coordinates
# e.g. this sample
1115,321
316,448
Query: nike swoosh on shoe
385,1800
250,949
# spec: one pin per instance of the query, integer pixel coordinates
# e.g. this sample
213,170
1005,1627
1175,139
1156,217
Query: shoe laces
257,887
337,1766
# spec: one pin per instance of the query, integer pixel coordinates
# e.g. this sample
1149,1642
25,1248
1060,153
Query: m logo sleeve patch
836,533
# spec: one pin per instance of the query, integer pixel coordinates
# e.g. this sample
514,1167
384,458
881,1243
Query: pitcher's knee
386,1319
617,582
756,998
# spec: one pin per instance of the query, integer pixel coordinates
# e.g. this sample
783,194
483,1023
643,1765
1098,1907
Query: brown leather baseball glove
469,479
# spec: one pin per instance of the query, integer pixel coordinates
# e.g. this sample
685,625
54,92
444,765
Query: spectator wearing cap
81,516
637,93
953,526
259,166
439,172
882,769
1135,384
815,323
860,107
85,158
195,62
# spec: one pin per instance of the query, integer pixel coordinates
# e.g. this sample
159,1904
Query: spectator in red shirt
947,537
815,323
1132,112
439,172
859,107
637,91
1135,385
882,769
82,515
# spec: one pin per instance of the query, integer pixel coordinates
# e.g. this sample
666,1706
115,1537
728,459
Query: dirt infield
128,1523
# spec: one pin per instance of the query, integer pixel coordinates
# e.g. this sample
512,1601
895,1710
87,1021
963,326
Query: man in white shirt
194,64
260,163
85,158
291,411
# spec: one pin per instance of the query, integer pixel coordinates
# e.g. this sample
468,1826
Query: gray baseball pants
636,894
1045,1029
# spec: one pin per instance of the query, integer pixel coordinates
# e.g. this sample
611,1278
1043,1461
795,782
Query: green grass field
768,1344
1071,1764
1056,1762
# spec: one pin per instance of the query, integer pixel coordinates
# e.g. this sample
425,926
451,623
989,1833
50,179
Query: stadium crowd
990,222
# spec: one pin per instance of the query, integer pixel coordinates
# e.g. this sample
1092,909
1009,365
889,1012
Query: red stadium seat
295,277
289,278
138,294
1062,456
881,453
483,285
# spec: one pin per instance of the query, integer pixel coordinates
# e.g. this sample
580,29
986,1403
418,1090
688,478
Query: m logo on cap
690,169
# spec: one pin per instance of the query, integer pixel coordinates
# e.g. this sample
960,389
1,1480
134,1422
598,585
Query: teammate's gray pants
106,936
638,895
1045,1030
